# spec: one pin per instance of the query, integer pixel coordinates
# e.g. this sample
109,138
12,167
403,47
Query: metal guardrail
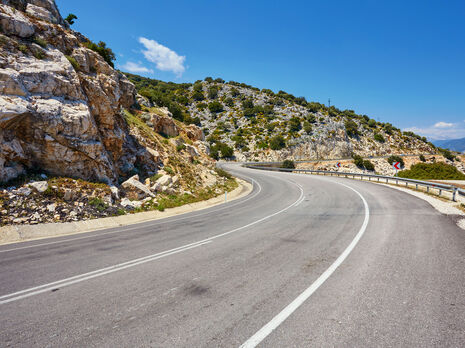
429,185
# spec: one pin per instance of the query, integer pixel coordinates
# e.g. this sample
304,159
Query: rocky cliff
60,102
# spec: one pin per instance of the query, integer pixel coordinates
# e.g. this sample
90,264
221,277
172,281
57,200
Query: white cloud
441,131
164,58
136,68
443,125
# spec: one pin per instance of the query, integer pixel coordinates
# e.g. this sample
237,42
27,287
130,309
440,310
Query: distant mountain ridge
451,144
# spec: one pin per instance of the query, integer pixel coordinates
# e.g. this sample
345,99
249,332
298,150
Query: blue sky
397,61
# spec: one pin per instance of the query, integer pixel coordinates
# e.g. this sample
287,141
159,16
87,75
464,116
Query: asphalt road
303,261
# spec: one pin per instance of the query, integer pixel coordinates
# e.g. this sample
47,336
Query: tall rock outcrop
60,102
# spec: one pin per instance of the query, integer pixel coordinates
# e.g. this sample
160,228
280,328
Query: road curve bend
302,261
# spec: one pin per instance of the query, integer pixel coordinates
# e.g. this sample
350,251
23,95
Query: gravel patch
444,207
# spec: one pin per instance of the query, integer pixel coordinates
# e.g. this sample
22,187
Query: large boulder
136,190
163,123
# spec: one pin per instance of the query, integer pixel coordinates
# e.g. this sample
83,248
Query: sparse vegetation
74,63
105,52
277,142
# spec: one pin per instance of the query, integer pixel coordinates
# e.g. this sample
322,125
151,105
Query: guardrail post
397,182
453,194
427,189
406,184
440,191
387,180
378,179
416,186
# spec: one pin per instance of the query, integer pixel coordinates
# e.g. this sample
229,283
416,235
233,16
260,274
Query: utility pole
329,103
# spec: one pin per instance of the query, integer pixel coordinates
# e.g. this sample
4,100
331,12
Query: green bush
221,150
202,106
294,124
432,171
352,129
212,92
215,106
358,161
198,96
229,102
101,48
395,158
378,137
388,128
74,63
308,127
180,147
447,154
422,158
288,164
277,142
368,165
223,173
372,123
98,204
234,92
41,42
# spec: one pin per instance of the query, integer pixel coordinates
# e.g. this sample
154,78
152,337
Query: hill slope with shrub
264,125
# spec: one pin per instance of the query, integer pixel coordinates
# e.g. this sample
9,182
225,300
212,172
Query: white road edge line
100,272
155,223
261,334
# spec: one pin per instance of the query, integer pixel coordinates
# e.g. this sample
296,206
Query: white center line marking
155,223
100,272
261,334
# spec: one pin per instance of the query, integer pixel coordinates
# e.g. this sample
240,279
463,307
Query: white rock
39,186
125,202
15,22
114,192
24,191
51,207
133,185
165,180
68,194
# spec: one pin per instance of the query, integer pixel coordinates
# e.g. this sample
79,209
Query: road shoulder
21,233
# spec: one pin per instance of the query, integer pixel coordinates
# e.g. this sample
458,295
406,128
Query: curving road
303,261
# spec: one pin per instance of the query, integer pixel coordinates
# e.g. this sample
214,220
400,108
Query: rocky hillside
262,125
76,142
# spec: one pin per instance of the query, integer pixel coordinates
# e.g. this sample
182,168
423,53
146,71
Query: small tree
308,127
215,106
277,142
198,95
351,129
288,164
379,138
212,92
294,124
70,19
358,160
368,165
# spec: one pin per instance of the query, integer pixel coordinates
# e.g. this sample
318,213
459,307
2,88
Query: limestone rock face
135,189
61,118
164,124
